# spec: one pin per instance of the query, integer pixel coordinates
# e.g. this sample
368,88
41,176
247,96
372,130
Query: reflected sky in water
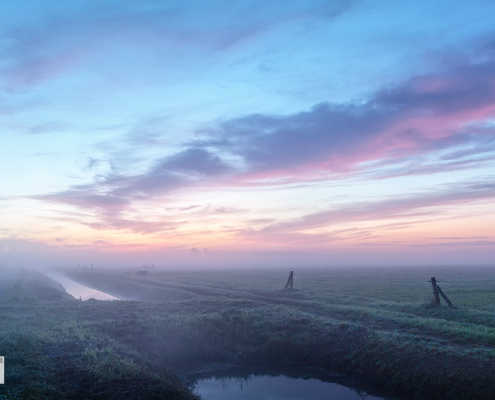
275,388
79,291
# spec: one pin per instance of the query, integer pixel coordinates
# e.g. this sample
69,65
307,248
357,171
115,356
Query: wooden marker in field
435,291
290,281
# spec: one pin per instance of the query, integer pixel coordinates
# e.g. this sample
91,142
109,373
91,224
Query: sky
247,133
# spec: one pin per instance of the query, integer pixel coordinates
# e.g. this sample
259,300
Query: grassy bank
54,350
376,326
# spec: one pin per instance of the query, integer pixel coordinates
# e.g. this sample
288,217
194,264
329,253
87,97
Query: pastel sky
247,132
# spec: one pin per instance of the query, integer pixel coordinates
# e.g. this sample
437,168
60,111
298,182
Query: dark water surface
277,382
276,388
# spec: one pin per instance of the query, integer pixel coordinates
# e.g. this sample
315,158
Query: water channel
79,291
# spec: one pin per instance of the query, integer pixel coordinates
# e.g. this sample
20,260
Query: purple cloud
439,115
426,114
115,193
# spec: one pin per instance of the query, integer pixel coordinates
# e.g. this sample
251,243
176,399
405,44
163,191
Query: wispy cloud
405,208
430,123
65,37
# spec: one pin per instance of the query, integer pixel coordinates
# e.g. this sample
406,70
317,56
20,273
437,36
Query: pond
278,382
79,291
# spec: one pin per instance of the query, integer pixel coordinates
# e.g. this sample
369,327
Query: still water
276,388
79,291
276,381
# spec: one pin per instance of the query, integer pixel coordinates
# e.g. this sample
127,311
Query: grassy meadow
375,325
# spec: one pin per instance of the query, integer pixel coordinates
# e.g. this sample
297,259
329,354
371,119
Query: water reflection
276,388
79,291
276,381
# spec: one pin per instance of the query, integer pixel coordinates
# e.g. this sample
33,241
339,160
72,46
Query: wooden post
435,291
445,297
290,281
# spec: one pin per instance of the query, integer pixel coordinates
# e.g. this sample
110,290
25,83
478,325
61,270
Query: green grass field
376,325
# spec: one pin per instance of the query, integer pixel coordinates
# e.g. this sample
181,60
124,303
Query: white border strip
2,367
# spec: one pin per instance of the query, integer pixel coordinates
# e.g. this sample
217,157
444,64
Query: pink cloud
423,116
411,210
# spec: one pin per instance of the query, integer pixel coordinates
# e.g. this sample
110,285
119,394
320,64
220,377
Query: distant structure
142,273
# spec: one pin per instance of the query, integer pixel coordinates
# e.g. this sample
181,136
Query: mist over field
88,332
40,257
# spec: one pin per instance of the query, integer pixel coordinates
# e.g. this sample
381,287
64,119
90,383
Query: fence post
290,281
435,291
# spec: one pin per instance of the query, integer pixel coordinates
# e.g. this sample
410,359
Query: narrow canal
79,291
